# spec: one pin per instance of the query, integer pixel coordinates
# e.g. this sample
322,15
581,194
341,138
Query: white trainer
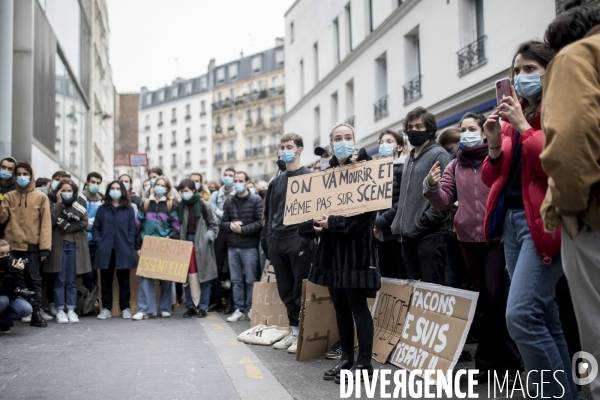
45,316
165,314
73,318
53,310
104,314
250,314
292,349
236,316
61,317
26,319
285,343
126,313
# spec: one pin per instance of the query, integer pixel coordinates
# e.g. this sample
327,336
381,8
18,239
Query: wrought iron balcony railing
412,90
381,108
471,56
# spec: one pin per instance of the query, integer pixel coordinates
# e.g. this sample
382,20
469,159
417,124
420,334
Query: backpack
86,300
169,205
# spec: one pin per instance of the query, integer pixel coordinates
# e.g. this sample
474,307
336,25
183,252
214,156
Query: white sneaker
61,317
53,310
126,314
285,343
46,317
236,316
73,318
138,316
165,314
104,314
292,349
250,314
26,319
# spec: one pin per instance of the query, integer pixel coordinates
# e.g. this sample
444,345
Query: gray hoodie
412,205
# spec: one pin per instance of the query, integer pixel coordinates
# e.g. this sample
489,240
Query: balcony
230,155
173,167
471,56
147,127
202,113
73,142
273,148
381,108
188,117
230,127
218,129
412,90
248,98
257,151
350,121
218,157
174,120
202,162
203,138
174,143
160,146
188,140
188,164
160,123
147,149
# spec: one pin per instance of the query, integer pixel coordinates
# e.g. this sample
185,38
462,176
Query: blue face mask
386,150
288,156
252,191
152,181
343,149
197,186
115,194
239,187
66,195
23,181
94,189
227,181
528,86
187,195
5,174
160,190
126,185
54,185
470,139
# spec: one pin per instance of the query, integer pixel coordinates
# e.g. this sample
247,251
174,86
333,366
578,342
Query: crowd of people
476,206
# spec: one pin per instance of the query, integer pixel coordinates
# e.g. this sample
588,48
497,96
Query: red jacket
534,181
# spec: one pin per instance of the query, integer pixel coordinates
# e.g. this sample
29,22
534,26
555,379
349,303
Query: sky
154,41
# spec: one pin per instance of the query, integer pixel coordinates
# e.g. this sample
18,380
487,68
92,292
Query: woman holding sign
346,262
114,233
158,217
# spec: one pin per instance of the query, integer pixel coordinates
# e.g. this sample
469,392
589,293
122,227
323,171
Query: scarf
75,209
472,156
194,201
92,197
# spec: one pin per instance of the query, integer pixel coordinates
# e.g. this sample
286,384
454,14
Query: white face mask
324,163
470,139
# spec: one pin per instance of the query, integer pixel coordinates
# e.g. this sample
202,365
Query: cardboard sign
268,274
436,327
347,190
138,159
318,326
391,307
267,307
165,259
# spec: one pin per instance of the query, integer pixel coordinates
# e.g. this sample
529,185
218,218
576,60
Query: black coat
114,229
249,210
11,279
8,186
346,257
386,217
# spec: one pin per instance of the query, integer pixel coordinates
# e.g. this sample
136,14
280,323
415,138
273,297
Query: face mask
386,150
324,163
262,193
343,149
417,138
5,174
23,181
288,156
43,189
197,186
66,195
239,187
115,194
470,139
453,152
94,189
160,190
54,185
252,191
187,195
528,86
213,190
4,262
152,181
281,165
146,188
227,180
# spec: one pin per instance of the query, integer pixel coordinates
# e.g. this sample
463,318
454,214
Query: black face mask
262,193
417,138
4,263
213,190
281,165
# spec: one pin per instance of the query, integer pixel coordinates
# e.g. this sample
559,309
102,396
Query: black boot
36,318
346,362
362,364
190,313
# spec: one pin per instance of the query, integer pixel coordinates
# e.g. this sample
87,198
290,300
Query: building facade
369,62
247,110
126,137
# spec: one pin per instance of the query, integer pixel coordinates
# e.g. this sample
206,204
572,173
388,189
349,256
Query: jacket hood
30,187
428,147
357,156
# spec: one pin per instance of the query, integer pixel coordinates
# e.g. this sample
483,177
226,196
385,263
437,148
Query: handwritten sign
138,159
435,328
347,190
267,307
391,308
165,259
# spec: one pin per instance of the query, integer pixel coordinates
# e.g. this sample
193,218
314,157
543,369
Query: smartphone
502,89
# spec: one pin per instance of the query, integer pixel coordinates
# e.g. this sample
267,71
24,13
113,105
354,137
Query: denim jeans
243,267
147,296
13,309
204,288
532,313
65,281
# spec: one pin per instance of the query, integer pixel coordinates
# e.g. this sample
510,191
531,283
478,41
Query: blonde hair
339,125
168,186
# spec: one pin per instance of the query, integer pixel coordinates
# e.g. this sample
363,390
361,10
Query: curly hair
571,25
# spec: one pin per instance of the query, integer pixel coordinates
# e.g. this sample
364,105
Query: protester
93,200
449,139
199,227
570,121
31,240
158,217
70,255
11,281
461,181
133,197
346,262
114,233
43,184
290,254
241,221
213,187
420,227
325,156
7,181
146,185
202,190
518,183
391,264
56,178
250,186
153,175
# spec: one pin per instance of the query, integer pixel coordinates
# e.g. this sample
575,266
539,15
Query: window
188,133
231,94
412,87
279,57
218,121
160,162
231,146
188,157
148,142
203,130
249,88
350,101
203,83
256,63
160,120
174,92
381,76
147,120
273,112
188,88
316,61
261,171
261,140
336,42
301,78
149,99
369,16
161,95
187,110
219,97
221,74
230,120
348,14
250,170
249,143
317,124
274,82
173,113
259,113
249,115
173,159
291,32
219,150
471,21
174,137
203,107
261,86
203,154
334,109
233,71
160,142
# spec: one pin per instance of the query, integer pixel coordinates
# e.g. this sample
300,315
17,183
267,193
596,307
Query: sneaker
286,342
139,316
126,314
202,314
292,349
236,316
5,327
26,319
336,352
73,318
165,314
250,313
190,313
226,285
53,310
104,314
61,317
45,316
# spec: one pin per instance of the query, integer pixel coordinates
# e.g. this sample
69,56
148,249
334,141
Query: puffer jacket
11,279
384,220
158,220
534,184
249,210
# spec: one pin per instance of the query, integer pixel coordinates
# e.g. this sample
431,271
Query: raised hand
435,174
